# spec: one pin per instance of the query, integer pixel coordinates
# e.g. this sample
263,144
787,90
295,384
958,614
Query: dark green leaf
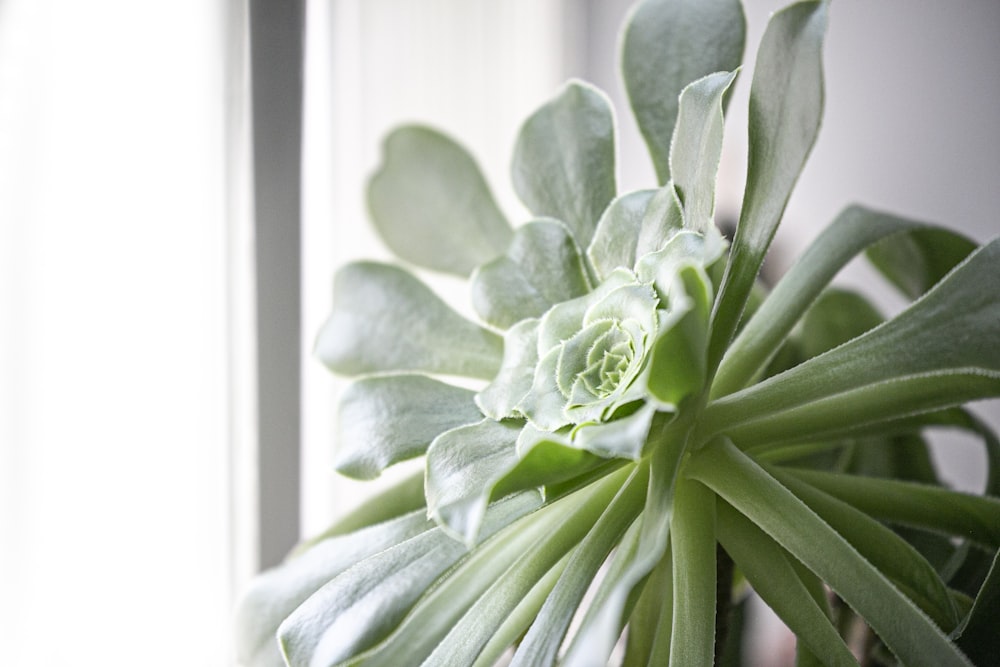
944,350
915,262
851,232
906,630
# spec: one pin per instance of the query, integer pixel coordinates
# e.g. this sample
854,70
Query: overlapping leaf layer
648,424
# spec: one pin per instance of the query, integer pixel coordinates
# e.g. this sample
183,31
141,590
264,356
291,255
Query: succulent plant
653,432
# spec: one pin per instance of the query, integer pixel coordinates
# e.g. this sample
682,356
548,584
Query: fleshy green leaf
600,630
625,437
466,638
541,643
769,570
851,232
517,372
942,351
697,146
564,159
836,317
667,44
911,504
661,222
542,267
617,234
387,419
463,466
786,102
692,540
917,261
386,320
677,367
276,593
431,204
906,630
363,604
979,637
650,625
444,604
903,564
403,497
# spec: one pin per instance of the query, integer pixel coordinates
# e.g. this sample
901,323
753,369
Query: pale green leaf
512,629
564,159
403,497
386,320
624,437
786,102
617,234
276,593
650,625
667,44
541,267
692,542
942,351
851,232
596,638
697,146
662,220
431,204
463,466
364,603
541,643
906,630
517,372
387,419
768,569
444,604
472,632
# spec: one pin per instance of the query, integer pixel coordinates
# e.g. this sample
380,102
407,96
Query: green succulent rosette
640,404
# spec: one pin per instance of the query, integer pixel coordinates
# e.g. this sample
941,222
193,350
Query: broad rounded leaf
386,320
431,205
542,267
384,420
463,466
617,234
667,45
517,372
564,159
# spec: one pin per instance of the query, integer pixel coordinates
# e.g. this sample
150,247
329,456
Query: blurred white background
123,276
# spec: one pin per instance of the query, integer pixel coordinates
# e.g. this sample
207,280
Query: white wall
114,465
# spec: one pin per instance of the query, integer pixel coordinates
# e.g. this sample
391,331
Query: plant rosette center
592,350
